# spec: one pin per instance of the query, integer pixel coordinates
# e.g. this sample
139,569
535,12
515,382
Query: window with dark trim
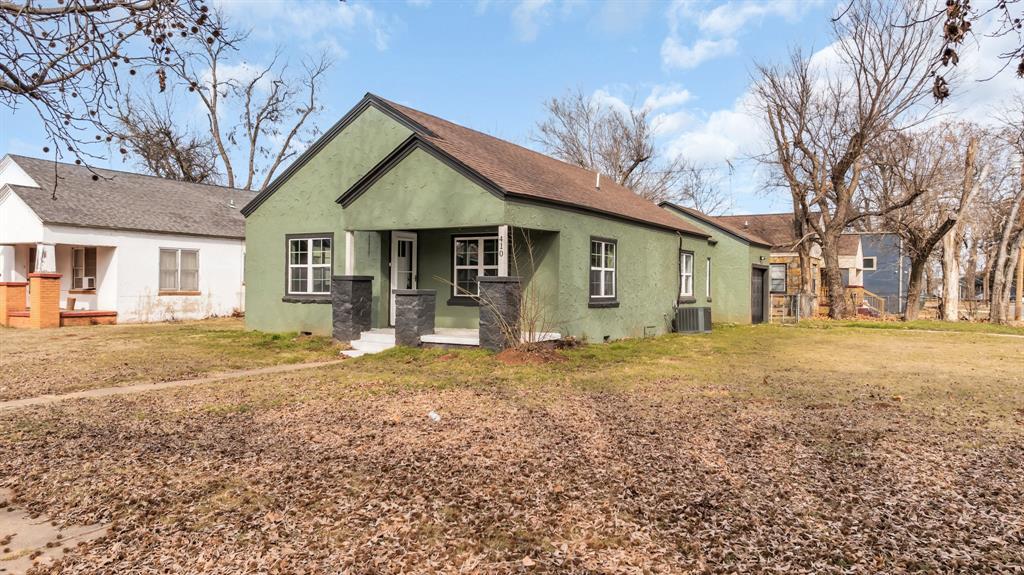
83,268
309,264
777,277
602,270
707,280
685,274
472,256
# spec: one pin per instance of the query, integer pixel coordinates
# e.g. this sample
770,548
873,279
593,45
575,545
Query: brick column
500,303
12,298
414,315
351,304
44,300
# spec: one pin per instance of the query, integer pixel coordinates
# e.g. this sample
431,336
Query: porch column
6,263
414,315
350,253
351,303
12,298
500,303
44,300
503,245
46,259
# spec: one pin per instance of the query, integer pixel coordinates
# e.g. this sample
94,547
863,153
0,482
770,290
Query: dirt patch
516,356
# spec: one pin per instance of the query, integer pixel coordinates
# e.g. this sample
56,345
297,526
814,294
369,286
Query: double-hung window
778,278
83,268
309,265
602,270
179,270
685,274
473,257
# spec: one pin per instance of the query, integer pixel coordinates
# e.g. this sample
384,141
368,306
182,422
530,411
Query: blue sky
491,65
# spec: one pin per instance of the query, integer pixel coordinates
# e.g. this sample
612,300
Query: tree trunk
917,267
1019,305
807,300
833,276
950,278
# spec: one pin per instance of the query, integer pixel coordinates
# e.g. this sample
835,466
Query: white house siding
130,262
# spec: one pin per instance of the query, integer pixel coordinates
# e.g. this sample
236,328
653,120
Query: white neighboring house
148,248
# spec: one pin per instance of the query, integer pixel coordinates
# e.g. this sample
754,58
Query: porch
54,285
451,287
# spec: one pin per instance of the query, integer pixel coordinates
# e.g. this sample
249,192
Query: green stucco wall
424,194
731,263
306,204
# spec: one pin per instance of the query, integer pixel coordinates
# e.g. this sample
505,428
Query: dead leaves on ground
563,481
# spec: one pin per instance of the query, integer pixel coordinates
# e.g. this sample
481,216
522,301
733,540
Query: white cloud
312,23
671,123
677,55
719,28
527,18
725,135
666,96
418,3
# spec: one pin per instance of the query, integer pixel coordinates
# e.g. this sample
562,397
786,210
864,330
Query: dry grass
755,449
38,362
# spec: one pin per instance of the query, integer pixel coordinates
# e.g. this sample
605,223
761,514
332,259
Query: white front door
403,264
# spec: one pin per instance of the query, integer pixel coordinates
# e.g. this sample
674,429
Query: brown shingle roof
849,244
776,229
123,200
521,172
719,223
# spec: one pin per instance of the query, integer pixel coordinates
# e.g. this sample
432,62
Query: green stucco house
737,265
396,212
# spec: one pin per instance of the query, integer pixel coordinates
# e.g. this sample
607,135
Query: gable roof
717,222
776,229
508,169
127,201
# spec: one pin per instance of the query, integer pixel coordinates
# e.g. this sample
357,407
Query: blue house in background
886,269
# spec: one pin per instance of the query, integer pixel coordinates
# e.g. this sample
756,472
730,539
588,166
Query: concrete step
378,336
353,353
371,346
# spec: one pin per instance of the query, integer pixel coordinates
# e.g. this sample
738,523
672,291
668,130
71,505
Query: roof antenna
597,185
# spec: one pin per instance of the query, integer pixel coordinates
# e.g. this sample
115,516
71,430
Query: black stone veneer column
414,315
500,302
351,303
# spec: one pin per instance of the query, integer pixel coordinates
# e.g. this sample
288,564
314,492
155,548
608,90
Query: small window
309,265
473,257
707,280
602,269
83,268
179,270
685,274
870,263
778,278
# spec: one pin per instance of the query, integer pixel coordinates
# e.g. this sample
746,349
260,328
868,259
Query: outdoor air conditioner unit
693,320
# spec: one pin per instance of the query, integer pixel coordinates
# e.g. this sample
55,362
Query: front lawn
54,361
753,449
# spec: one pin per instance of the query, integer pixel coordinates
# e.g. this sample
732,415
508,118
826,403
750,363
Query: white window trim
605,294
685,277
785,278
707,279
874,263
309,265
177,269
479,267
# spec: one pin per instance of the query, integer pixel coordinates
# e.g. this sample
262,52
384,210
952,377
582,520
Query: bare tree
272,105
932,165
68,59
1009,221
619,143
151,133
701,189
822,121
